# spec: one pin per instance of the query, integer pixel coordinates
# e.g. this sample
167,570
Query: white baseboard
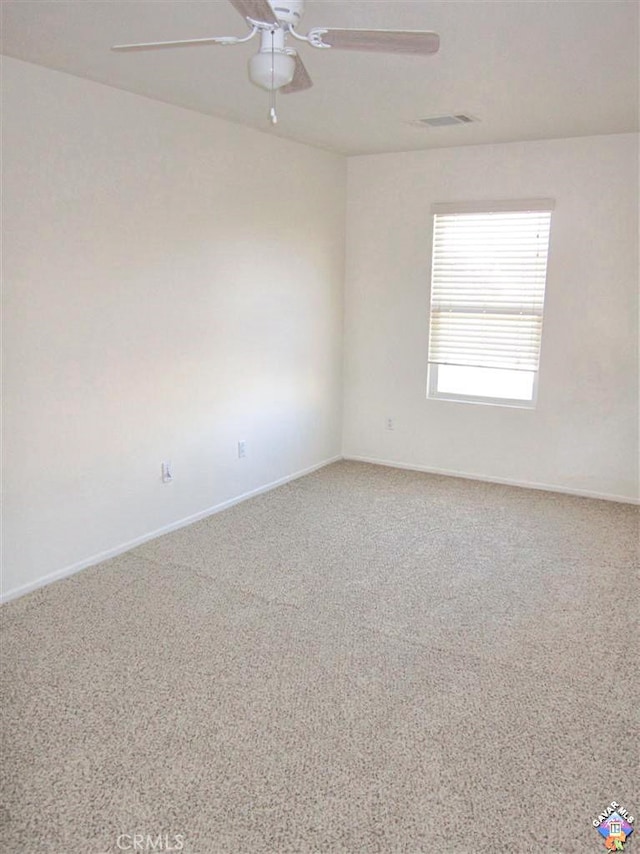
584,493
173,526
217,508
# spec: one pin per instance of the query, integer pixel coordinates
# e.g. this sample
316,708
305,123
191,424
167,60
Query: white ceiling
528,69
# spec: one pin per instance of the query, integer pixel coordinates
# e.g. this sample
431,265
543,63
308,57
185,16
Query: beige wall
583,435
172,284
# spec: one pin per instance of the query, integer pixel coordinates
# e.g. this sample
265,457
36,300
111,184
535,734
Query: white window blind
487,287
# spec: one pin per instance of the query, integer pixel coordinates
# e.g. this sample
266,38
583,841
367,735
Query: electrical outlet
167,471
390,424
242,449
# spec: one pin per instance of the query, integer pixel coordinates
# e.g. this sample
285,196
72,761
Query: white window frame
458,397
518,206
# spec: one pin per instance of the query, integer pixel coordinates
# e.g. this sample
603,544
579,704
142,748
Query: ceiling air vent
445,121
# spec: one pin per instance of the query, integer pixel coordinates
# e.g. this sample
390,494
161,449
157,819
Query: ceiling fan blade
382,41
182,43
301,79
257,10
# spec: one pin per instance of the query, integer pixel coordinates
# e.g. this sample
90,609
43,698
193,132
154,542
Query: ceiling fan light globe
271,70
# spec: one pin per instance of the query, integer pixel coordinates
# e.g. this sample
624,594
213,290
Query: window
488,277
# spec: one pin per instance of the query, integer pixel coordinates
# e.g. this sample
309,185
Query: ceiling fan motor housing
288,11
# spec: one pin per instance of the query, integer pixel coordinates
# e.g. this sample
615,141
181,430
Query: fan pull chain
273,116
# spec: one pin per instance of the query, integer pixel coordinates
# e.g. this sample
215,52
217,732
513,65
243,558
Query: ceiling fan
277,67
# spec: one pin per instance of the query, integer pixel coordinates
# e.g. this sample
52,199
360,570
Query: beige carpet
364,660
